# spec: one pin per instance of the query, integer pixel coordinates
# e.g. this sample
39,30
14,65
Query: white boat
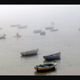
30,52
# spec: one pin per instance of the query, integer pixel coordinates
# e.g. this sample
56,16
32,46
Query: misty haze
27,27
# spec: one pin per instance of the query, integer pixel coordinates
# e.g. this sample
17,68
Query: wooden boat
55,56
45,67
30,53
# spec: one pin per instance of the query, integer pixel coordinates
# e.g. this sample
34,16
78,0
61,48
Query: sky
40,16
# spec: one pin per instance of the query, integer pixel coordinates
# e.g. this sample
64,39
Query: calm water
11,61
66,40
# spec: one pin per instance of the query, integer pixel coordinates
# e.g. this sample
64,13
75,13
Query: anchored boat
54,30
51,57
49,28
45,67
3,37
37,31
42,33
30,53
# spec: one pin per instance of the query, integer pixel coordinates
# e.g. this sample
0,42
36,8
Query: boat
3,37
15,25
79,29
49,28
51,57
22,27
42,33
30,53
1,28
45,67
54,30
37,31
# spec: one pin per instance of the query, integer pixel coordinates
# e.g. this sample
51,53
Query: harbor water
66,39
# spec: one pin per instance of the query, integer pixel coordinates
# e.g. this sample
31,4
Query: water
11,61
66,39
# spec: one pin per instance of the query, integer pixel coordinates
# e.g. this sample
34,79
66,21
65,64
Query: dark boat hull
44,67
52,57
24,55
51,69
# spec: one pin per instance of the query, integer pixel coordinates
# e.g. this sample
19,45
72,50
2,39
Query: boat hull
29,53
52,57
33,54
44,68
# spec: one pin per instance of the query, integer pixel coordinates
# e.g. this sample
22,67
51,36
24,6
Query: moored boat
3,37
37,31
30,53
55,56
42,33
45,67
54,30
49,28
22,27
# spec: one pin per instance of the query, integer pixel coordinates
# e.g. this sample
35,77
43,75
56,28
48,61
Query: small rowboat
55,56
45,67
30,53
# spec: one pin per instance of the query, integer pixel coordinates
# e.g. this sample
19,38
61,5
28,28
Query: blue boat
55,56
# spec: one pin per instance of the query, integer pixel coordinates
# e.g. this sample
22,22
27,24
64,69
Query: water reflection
29,57
45,73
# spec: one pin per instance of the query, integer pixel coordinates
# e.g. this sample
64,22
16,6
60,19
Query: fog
67,40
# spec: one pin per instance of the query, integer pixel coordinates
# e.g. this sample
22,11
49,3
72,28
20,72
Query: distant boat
51,57
1,28
3,37
49,28
37,31
79,29
42,33
30,53
22,27
45,67
54,30
15,25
